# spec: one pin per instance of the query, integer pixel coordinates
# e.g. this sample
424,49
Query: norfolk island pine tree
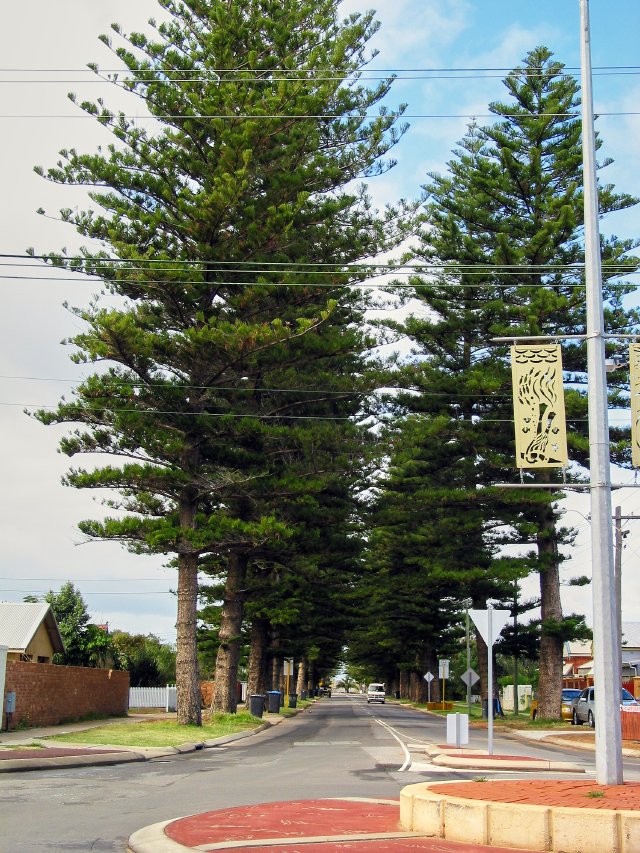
205,227
507,220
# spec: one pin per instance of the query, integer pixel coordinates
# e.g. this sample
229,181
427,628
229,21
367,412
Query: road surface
339,747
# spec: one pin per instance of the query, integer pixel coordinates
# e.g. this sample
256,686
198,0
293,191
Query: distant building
578,658
29,631
577,654
630,649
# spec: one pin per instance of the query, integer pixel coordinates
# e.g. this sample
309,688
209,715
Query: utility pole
607,670
467,603
516,697
617,566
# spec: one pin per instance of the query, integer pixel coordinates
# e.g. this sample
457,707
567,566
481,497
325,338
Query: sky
45,47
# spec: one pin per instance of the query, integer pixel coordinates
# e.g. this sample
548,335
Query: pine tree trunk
427,663
224,697
483,666
301,683
415,687
550,684
257,674
187,683
405,687
277,675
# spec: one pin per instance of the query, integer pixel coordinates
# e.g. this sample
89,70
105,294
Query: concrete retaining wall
518,825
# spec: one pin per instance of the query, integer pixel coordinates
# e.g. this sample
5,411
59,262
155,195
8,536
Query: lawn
509,721
161,732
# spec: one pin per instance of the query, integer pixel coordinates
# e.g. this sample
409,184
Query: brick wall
47,695
630,718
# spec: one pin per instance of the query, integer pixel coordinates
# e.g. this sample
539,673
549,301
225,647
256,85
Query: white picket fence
153,697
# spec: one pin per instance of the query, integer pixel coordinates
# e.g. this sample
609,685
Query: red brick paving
305,819
547,793
298,819
491,757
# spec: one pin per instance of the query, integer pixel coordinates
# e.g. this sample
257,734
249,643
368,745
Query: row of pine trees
312,495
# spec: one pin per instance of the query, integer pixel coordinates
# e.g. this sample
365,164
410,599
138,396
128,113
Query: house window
26,657
42,660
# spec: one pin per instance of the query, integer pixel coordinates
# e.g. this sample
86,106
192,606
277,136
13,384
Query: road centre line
407,754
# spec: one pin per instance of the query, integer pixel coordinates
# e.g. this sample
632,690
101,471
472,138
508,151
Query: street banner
538,406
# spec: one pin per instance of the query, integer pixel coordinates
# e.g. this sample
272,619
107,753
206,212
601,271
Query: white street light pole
490,679
606,640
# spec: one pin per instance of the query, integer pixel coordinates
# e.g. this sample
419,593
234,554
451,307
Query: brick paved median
547,793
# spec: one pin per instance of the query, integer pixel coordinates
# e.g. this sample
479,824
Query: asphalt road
340,747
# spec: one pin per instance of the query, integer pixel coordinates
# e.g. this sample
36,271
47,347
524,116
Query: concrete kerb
152,839
120,755
17,765
529,827
479,759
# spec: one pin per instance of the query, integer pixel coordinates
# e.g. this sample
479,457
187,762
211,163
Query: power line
122,79
126,592
304,74
107,117
109,410
299,267
267,390
363,416
160,284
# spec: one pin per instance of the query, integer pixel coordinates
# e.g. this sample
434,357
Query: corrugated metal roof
577,648
19,622
631,635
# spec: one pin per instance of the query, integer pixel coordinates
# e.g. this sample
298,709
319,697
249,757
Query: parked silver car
584,706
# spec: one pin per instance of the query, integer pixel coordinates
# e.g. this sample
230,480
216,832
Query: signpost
489,623
443,673
288,671
470,677
428,677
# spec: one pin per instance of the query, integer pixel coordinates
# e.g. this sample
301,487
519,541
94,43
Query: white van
375,693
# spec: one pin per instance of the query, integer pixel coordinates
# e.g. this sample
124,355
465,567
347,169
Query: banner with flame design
538,406
634,369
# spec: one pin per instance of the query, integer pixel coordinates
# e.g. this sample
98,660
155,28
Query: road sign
490,623
429,676
470,677
499,619
443,668
458,730
288,666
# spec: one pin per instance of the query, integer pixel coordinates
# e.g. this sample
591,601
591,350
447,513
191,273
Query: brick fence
47,695
630,717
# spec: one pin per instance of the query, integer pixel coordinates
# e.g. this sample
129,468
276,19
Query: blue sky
39,542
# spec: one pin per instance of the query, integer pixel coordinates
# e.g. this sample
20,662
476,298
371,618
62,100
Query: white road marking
407,754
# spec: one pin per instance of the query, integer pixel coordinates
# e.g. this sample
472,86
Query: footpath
503,816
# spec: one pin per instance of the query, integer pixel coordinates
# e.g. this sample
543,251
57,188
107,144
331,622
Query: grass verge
509,721
161,732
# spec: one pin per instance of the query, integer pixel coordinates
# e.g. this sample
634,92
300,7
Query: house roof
19,622
577,648
631,635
